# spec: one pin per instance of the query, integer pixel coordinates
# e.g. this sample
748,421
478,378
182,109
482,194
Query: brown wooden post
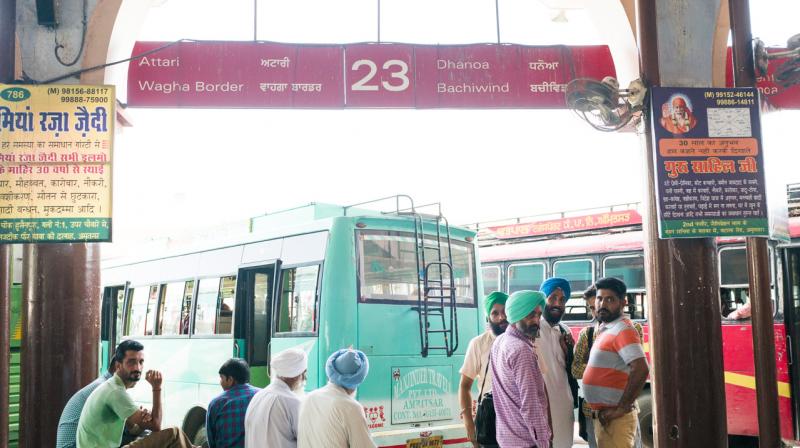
683,292
769,430
61,316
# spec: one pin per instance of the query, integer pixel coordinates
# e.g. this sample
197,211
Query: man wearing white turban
330,417
273,414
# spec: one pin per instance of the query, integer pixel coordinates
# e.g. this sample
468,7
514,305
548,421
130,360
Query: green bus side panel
189,367
310,345
259,376
14,371
13,411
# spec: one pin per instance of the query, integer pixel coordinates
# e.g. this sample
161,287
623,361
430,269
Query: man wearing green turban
521,304
476,360
520,398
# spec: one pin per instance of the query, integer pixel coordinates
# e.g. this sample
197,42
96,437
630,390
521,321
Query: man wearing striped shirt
520,399
616,371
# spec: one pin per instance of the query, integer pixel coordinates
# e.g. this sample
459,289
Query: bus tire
194,426
645,403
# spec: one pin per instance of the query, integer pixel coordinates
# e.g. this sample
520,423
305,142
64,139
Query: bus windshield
387,267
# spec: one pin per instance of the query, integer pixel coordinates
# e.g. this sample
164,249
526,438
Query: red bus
587,247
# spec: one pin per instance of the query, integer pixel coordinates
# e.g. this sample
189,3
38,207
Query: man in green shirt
109,409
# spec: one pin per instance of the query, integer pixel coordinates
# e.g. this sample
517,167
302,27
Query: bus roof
590,244
301,220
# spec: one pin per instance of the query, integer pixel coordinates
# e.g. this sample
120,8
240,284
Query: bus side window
226,305
120,315
296,312
630,269
215,304
576,309
141,311
491,279
127,316
176,300
637,305
579,273
523,276
734,283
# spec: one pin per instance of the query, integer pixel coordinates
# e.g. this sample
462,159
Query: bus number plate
426,442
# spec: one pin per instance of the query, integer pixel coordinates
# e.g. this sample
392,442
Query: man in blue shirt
226,412
68,424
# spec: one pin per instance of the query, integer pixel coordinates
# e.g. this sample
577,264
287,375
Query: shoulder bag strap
483,383
590,336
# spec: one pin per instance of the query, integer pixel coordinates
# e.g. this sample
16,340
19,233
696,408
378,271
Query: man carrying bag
476,366
485,431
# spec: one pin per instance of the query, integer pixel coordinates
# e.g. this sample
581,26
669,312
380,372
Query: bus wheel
645,403
194,426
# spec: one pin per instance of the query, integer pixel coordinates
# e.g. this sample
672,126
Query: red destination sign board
776,95
274,75
571,224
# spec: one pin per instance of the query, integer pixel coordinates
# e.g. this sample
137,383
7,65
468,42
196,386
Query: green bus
400,286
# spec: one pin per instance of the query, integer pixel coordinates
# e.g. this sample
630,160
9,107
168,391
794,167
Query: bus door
791,259
255,289
112,310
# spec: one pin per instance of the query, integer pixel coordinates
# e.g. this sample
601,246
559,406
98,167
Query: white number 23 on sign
399,71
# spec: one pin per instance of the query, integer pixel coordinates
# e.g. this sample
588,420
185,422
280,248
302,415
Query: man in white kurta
273,414
551,346
476,360
330,417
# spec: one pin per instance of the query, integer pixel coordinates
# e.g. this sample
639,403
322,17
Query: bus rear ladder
436,291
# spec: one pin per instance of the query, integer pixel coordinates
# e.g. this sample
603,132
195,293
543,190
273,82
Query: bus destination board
370,75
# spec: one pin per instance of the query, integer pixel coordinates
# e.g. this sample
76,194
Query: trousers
620,433
166,438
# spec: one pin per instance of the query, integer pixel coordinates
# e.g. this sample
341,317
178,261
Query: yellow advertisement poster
55,163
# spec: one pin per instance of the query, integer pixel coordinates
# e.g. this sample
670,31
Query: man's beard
299,388
134,377
498,329
531,331
553,319
608,316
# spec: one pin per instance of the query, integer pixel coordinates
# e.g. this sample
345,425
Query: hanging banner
569,224
709,162
55,163
274,75
771,91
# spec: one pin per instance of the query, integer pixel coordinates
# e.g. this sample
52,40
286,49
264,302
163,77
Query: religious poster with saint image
676,115
709,164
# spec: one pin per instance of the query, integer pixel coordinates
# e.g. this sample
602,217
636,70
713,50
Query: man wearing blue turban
330,416
554,348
